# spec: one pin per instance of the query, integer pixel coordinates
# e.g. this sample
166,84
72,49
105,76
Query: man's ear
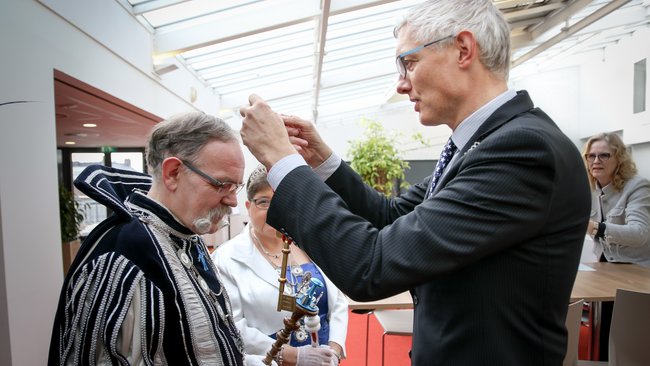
467,49
171,170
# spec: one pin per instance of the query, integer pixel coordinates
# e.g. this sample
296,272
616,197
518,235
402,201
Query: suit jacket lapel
521,103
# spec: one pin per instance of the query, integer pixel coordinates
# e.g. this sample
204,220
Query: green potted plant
71,218
377,158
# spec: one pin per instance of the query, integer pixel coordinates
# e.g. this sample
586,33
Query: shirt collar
468,127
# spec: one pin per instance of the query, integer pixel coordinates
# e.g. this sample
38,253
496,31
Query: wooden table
591,286
399,301
601,284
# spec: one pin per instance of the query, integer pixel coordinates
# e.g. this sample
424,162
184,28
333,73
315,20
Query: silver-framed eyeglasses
400,62
262,203
603,157
228,187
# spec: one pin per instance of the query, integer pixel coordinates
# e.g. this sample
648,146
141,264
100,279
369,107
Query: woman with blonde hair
620,214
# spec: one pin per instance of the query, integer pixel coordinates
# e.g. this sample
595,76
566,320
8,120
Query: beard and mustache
202,225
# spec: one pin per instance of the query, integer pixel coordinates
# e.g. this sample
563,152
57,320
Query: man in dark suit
488,245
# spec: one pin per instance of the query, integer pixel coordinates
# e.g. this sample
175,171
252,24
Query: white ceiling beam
525,23
516,15
319,53
567,32
154,5
345,6
514,3
559,17
524,18
255,21
519,39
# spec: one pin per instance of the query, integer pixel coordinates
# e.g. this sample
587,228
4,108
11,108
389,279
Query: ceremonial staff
303,304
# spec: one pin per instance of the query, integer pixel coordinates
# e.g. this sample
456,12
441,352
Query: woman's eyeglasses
262,203
603,157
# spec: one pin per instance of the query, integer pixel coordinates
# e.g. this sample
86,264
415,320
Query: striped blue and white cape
128,299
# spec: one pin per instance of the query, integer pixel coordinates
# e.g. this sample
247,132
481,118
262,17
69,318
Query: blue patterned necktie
445,157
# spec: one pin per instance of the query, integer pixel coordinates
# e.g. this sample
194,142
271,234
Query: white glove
335,358
256,360
316,356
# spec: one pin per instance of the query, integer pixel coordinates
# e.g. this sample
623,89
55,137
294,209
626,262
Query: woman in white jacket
620,214
250,265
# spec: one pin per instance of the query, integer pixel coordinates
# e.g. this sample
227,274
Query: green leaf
70,215
376,157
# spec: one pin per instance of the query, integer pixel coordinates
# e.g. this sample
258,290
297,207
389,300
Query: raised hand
264,133
306,140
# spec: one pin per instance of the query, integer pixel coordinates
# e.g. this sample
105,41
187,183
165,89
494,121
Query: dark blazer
490,259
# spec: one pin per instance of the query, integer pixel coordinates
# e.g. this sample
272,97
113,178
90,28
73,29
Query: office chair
629,331
573,320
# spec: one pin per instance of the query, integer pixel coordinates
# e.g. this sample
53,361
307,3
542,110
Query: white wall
5,349
592,93
609,81
556,92
641,154
35,41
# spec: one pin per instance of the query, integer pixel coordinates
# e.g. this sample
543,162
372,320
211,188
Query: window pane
639,86
80,160
133,161
93,212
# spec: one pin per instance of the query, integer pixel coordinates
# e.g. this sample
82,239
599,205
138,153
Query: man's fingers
293,131
297,141
254,98
254,102
294,121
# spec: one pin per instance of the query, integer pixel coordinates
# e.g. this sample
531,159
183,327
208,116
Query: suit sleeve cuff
328,167
282,168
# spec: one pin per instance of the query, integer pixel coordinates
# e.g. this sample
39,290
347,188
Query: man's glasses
222,187
401,63
262,203
603,157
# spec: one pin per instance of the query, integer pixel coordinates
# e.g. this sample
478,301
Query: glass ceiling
323,57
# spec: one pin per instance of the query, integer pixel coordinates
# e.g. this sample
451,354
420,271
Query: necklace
181,250
184,257
263,248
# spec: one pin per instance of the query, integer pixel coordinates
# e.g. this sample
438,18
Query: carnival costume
142,289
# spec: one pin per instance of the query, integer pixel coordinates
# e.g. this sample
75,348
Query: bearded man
142,289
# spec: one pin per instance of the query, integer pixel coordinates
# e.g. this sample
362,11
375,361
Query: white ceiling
317,57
